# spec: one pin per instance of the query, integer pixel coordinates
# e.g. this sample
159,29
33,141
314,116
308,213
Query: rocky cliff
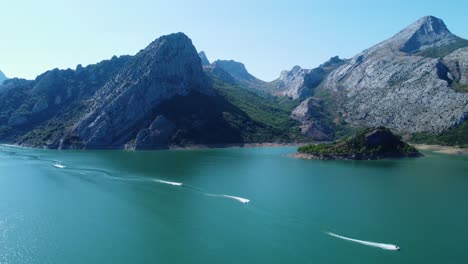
157,98
401,85
299,83
204,59
2,77
58,95
168,67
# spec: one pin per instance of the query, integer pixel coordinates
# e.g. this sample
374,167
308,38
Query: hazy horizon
267,37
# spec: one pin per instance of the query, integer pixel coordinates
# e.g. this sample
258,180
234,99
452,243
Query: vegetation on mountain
370,143
457,136
442,51
234,115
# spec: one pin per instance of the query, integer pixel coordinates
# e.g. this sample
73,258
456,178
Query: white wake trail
367,243
169,182
239,199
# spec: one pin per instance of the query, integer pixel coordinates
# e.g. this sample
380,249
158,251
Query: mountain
154,99
204,59
59,95
299,83
414,83
399,83
168,67
235,73
2,77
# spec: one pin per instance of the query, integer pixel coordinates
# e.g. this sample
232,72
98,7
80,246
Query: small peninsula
369,144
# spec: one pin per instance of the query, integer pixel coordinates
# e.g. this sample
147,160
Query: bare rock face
428,32
300,83
204,59
310,114
221,74
168,67
391,85
40,106
2,77
156,135
293,83
51,102
457,63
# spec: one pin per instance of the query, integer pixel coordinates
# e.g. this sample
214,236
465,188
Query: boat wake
169,182
110,176
239,199
367,243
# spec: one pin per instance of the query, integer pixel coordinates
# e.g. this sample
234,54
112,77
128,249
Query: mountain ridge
235,73
168,93
381,86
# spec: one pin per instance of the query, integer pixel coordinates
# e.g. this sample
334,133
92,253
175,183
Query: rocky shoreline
451,150
306,156
238,145
188,147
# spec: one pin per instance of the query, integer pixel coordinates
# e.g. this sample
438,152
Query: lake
190,206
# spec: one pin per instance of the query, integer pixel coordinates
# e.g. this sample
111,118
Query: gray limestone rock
40,106
312,117
300,83
204,59
391,85
168,67
156,135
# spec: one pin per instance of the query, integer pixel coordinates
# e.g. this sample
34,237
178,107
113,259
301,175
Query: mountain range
168,94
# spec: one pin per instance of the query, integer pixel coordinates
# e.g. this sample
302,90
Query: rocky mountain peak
296,68
2,77
405,83
333,61
298,83
427,32
204,59
168,67
431,25
234,68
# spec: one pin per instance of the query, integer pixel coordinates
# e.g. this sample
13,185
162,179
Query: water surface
129,207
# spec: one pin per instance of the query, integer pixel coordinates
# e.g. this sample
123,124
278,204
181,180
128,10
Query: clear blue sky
268,36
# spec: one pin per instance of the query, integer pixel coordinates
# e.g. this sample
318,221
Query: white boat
58,165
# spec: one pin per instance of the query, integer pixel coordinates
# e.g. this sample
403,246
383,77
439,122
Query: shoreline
450,150
176,147
306,156
239,145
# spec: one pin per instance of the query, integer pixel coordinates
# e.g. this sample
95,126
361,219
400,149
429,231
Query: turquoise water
108,207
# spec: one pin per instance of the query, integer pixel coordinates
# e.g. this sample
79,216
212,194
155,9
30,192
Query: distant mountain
412,82
235,73
2,77
157,98
204,59
299,83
